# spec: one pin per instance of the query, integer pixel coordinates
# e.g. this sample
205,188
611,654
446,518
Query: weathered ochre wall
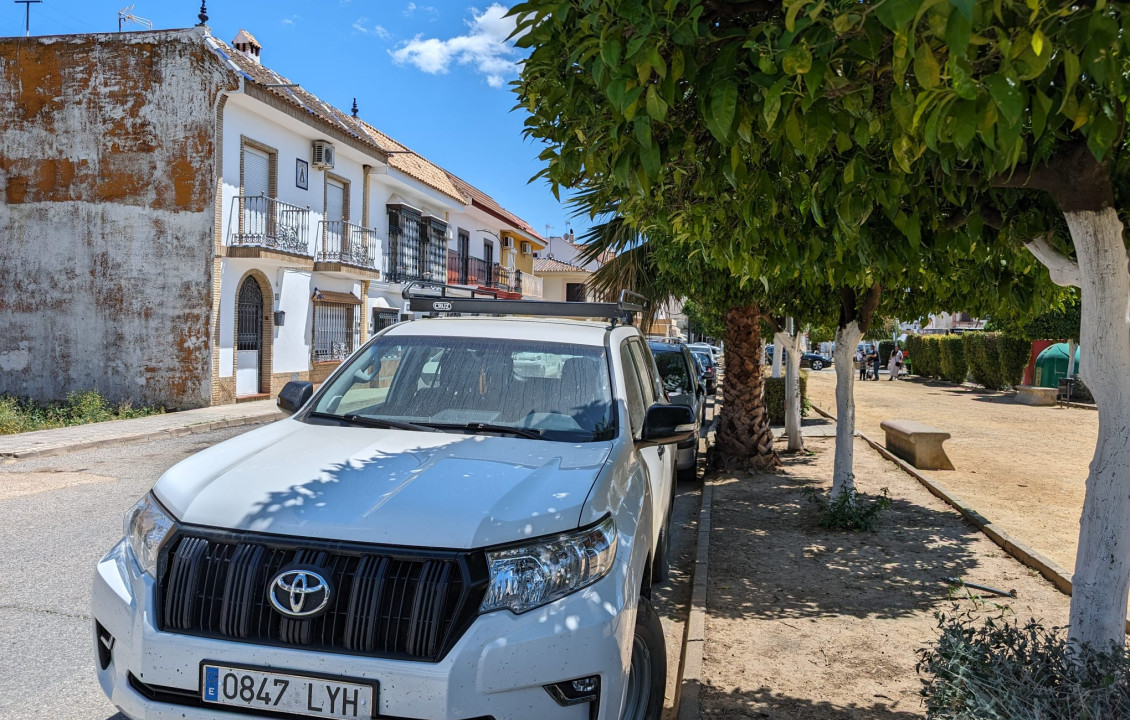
106,215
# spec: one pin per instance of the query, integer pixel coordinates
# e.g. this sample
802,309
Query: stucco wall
106,210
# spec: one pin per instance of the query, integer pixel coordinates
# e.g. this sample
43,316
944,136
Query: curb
687,703
1028,556
193,429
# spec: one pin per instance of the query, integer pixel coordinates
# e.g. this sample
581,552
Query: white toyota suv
463,523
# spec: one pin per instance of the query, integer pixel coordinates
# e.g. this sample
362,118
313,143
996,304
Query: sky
432,74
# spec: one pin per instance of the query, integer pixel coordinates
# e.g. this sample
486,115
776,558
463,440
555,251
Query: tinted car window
636,406
674,373
561,390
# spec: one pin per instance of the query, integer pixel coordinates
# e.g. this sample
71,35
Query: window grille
404,239
384,318
333,331
249,315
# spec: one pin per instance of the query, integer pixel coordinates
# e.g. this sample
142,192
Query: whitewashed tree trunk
1102,562
1071,358
847,340
776,367
784,341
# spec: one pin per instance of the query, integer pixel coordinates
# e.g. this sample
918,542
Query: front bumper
498,669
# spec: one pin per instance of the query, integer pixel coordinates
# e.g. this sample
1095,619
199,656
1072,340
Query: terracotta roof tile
402,159
486,202
543,265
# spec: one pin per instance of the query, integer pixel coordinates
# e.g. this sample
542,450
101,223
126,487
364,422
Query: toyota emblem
299,593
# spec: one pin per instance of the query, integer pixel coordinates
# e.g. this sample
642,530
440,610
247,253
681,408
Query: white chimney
246,43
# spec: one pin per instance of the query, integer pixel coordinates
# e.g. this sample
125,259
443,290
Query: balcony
258,223
348,250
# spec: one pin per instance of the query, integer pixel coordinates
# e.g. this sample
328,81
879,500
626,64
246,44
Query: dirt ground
1022,467
810,624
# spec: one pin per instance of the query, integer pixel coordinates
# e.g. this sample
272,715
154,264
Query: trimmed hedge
926,354
952,359
1015,352
983,358
775,398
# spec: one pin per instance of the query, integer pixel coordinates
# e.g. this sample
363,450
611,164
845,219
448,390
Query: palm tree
660,273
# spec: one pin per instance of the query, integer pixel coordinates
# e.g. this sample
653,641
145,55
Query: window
673,370
559,391
636,406
645,366
333,331
383,318
575,292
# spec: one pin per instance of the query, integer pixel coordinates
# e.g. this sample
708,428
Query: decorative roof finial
354,107
203,12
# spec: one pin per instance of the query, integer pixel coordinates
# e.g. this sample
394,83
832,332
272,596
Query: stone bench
918,444
1031,395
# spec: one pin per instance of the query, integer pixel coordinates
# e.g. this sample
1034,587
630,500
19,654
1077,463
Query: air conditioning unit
323,155
525,247
507,242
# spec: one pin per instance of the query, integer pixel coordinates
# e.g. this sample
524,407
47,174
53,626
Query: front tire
817,365
647,677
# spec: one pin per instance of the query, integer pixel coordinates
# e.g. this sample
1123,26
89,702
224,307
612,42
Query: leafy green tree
704,321
972,128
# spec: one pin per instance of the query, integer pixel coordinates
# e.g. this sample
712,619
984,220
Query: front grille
387,602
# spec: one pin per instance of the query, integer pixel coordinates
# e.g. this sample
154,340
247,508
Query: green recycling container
1051,365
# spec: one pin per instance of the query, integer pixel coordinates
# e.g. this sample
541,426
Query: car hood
385,486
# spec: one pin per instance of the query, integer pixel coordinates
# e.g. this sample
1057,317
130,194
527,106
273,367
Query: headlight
525,577
146,526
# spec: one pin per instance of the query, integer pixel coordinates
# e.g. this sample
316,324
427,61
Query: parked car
709,370
442,530
816,361
679,373
715,351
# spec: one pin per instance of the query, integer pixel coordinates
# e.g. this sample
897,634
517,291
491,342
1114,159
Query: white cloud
377,30
290,20
485,47
411,8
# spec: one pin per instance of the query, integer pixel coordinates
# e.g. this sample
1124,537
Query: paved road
58,515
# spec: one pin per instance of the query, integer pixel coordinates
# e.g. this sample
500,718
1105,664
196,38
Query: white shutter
256,172
335,201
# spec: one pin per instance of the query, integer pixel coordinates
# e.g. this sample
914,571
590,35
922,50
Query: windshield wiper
355,419
488,427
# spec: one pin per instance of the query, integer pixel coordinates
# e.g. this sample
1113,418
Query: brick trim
218,245
365,170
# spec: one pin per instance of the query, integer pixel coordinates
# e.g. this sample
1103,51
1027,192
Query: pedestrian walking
874,358
894,363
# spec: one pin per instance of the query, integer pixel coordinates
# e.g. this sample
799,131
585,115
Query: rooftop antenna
549,239
125,15
27,13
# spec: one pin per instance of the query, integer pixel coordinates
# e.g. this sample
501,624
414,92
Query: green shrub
926,355
952,359
983,359
775,398
849,510
997,670
1015,352
914,350
23,415
885,348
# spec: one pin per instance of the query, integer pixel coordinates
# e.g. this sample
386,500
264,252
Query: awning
339,298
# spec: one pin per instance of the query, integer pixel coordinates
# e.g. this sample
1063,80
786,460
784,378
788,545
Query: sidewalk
1022,467
115,432
810,624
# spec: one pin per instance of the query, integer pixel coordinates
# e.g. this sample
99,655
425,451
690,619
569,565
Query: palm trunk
744,440
1102,563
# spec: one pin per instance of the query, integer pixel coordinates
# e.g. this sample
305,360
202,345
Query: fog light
575,692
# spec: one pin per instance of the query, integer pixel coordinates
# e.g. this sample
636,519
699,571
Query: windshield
673,369
705,359
555,391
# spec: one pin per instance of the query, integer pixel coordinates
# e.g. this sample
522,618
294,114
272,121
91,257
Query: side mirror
665,424
294,395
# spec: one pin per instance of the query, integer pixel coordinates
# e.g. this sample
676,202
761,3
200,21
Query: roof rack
424,296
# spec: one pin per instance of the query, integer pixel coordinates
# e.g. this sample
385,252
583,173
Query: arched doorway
248,337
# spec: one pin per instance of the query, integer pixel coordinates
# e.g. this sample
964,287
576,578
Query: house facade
189,228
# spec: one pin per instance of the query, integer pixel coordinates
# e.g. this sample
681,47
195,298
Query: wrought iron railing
261,221
344,242
481,273
456,269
